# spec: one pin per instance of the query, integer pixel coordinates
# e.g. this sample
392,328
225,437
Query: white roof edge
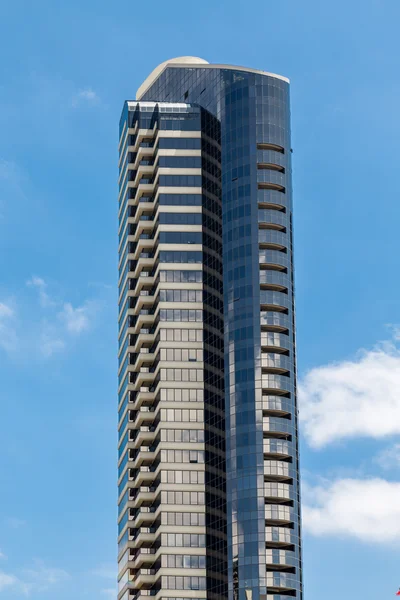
194,62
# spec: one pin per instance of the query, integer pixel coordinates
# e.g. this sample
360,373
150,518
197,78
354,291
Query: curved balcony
278,425
272,219
278,342
268,198
278,470
276,363
273,239
280,536
274,260
279,492
281,581
275,557
279,513
270,176
281,596
271,157
276,320
278,404
275,278
278,447
270,300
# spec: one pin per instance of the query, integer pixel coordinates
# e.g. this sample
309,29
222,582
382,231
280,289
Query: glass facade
245,197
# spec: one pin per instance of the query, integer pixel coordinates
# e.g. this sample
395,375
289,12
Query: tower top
194,61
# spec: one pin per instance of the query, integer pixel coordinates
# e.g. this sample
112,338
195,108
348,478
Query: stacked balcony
278,374
144,381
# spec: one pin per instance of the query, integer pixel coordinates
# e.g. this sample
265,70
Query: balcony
144,495
277,384
145,475
280,537
142,555
277,341
274,259
278,492
278,558
276,362
144,457
275,322
278,513
145,416
278,447
274,278
281,581
278,470
283,427
278,405
145,516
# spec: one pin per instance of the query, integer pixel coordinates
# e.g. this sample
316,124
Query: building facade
207,312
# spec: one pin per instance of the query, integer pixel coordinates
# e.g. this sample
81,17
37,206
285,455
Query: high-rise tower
205,157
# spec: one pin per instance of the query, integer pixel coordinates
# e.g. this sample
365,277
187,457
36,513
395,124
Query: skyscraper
209,502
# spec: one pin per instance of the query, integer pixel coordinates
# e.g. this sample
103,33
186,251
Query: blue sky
65,70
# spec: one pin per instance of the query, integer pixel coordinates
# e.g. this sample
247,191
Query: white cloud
367,510
8,334
353,398
76,320
87,95
44,333
389,458
41,578
3,556
41,285
38,578
8,581
50,345
5,311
